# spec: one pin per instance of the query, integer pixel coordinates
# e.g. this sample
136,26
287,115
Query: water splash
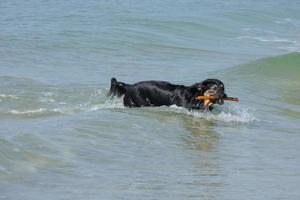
108,104
223,114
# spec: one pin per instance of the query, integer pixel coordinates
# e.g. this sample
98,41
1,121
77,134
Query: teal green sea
62,138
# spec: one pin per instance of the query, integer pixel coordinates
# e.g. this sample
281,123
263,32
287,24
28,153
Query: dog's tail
116,88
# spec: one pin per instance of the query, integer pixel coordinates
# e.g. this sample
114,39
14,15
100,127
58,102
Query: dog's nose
220,101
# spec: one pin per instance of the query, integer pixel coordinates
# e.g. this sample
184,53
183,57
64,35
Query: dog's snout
220,101
221,95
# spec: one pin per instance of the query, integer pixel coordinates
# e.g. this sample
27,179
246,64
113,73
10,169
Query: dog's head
209,87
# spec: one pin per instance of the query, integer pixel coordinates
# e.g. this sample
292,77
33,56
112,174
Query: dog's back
148,93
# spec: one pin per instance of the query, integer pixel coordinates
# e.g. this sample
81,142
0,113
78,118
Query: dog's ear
197,88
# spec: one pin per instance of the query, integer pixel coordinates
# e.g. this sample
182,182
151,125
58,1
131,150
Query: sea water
62,138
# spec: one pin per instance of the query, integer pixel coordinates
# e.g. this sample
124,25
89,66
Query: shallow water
62,138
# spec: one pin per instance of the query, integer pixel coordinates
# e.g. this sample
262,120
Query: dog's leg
127,101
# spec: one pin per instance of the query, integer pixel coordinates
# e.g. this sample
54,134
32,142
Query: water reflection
201,134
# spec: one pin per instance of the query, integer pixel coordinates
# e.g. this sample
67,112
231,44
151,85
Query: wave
222,114
50,101
270,39
16,112
285,67
64,109
8,96
226,114
273,79
34,113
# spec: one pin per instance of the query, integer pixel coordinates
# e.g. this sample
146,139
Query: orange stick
213,98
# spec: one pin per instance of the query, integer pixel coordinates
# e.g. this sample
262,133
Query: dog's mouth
218,97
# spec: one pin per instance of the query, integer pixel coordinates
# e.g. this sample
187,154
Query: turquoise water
62,138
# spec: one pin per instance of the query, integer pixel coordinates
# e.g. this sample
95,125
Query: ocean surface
62,138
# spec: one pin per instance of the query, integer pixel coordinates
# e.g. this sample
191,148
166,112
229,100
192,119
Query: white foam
47,100
284,21
224,113
8,96
17,112
47,97
271,39
290,48
64,108
47,94
108,104
227,114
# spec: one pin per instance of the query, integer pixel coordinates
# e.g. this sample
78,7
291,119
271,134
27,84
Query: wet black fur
159,93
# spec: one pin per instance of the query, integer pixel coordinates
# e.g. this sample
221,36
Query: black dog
159,93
